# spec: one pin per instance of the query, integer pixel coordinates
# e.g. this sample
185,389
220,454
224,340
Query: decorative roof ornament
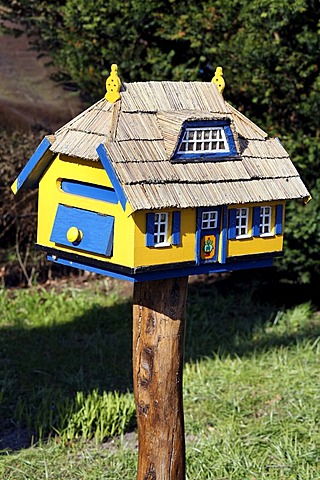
218,79
113,85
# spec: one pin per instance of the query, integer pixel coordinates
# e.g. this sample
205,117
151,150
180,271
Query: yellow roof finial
113,84
218,79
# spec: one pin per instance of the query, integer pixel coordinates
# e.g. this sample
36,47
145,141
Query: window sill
243,237
266,235
164,244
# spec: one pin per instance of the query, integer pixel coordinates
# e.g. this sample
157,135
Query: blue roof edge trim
34,168
103,155
210,155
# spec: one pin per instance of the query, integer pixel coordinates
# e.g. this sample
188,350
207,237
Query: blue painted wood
256,222
90,268
232,223
278,229
209,231
207,156
224,234
89,190
230,140
176,228
112,175
97,230
198,237
172,273
38,162
150,229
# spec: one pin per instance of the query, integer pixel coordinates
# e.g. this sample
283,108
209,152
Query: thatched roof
140,133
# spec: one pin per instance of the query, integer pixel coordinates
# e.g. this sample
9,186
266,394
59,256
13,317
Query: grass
251,383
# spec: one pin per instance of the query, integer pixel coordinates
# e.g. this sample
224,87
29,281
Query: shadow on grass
43,366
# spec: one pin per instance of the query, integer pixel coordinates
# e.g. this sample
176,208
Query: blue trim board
101,150
77,260
89,190
174,273
197,255
38,162
224,234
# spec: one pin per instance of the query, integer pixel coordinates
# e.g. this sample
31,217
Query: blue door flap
95,230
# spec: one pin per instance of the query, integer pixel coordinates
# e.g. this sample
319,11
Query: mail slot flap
95,231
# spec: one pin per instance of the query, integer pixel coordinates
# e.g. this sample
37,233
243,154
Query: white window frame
209,220
242,223
161,222
194,141
265,224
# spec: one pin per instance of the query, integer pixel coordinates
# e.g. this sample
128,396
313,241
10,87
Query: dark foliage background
269,51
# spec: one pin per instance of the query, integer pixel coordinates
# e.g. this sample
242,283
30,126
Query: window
163,229
203,140
265,220
209,220
160,228
242,218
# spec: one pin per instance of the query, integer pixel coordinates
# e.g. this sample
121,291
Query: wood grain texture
158,351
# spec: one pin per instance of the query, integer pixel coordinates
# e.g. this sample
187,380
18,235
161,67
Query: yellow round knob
74,234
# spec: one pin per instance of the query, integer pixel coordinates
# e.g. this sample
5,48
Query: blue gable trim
112,175
32,171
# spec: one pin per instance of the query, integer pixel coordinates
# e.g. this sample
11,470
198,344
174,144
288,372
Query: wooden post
158,351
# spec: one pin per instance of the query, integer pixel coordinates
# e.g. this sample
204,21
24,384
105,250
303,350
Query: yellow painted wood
113,85
144,256
129,247
256,245
218,79
248,246
74,234
50,195
14,186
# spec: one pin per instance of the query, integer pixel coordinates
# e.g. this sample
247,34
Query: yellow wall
255,245
184,252
50,195
129,246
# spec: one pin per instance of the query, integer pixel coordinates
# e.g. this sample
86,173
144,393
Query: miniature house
161,179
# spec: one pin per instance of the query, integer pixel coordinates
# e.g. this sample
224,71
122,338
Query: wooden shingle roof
140,133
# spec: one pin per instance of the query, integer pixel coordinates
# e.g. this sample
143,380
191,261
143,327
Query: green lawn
251,383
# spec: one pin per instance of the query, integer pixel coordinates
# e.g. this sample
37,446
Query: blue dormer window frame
221,137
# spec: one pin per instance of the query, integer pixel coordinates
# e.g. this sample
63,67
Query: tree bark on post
158,350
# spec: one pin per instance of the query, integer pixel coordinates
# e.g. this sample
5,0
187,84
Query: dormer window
205,140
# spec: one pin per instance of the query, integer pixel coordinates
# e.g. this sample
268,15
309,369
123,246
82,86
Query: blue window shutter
256,222
176,226
150,230
278,228
232,223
